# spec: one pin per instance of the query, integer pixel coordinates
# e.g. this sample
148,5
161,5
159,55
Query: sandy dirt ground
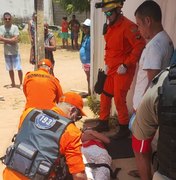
71,75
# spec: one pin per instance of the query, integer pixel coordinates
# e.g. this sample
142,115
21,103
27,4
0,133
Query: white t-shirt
156,55
10,32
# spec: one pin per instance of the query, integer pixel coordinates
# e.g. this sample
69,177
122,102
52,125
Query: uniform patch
134,29
43,121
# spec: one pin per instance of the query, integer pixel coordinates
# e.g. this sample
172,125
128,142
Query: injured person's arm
89,134
95,156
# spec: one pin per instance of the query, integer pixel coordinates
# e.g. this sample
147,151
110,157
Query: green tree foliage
74,5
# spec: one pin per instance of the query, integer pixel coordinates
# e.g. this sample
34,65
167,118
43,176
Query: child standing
64,32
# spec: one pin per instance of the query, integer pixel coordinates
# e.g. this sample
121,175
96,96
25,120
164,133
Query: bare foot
13,85
10,86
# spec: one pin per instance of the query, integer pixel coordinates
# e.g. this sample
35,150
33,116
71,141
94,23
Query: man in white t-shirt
9,35
155,57
158,51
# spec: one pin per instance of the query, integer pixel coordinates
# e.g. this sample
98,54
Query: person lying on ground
95,156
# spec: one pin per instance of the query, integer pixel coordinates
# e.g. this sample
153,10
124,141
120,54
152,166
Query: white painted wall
169,17
97,42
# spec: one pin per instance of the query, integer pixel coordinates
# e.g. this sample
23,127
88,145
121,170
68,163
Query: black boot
123,132
102,126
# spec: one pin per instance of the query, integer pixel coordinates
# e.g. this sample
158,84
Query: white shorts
97,155
13,62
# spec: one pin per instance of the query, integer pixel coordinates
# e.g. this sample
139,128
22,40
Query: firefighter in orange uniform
41,88
70,106
123,48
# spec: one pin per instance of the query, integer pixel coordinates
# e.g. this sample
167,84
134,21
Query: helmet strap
105,27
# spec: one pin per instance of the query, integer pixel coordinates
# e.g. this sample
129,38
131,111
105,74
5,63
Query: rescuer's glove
122,69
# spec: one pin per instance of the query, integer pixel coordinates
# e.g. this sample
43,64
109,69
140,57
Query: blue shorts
13,62
72,35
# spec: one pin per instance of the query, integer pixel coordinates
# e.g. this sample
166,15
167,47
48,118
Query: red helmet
73,99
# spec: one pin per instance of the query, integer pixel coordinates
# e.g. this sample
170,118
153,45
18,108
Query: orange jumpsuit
70,147
41,89
124,45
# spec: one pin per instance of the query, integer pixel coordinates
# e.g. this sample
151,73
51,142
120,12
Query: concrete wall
25,8
59,13
52,11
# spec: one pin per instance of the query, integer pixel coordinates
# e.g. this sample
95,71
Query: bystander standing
85,51
74,26
157,54
64,34
9,36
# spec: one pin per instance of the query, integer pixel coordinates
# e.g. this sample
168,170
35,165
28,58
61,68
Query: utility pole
39,39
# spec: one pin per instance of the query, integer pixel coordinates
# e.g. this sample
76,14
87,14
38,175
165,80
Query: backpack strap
172,72
155,79
2,158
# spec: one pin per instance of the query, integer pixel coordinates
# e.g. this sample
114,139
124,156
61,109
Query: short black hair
151,9
7,14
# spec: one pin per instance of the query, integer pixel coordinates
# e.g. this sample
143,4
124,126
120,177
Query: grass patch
24,37
94,106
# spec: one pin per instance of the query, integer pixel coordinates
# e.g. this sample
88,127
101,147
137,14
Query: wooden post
39,42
